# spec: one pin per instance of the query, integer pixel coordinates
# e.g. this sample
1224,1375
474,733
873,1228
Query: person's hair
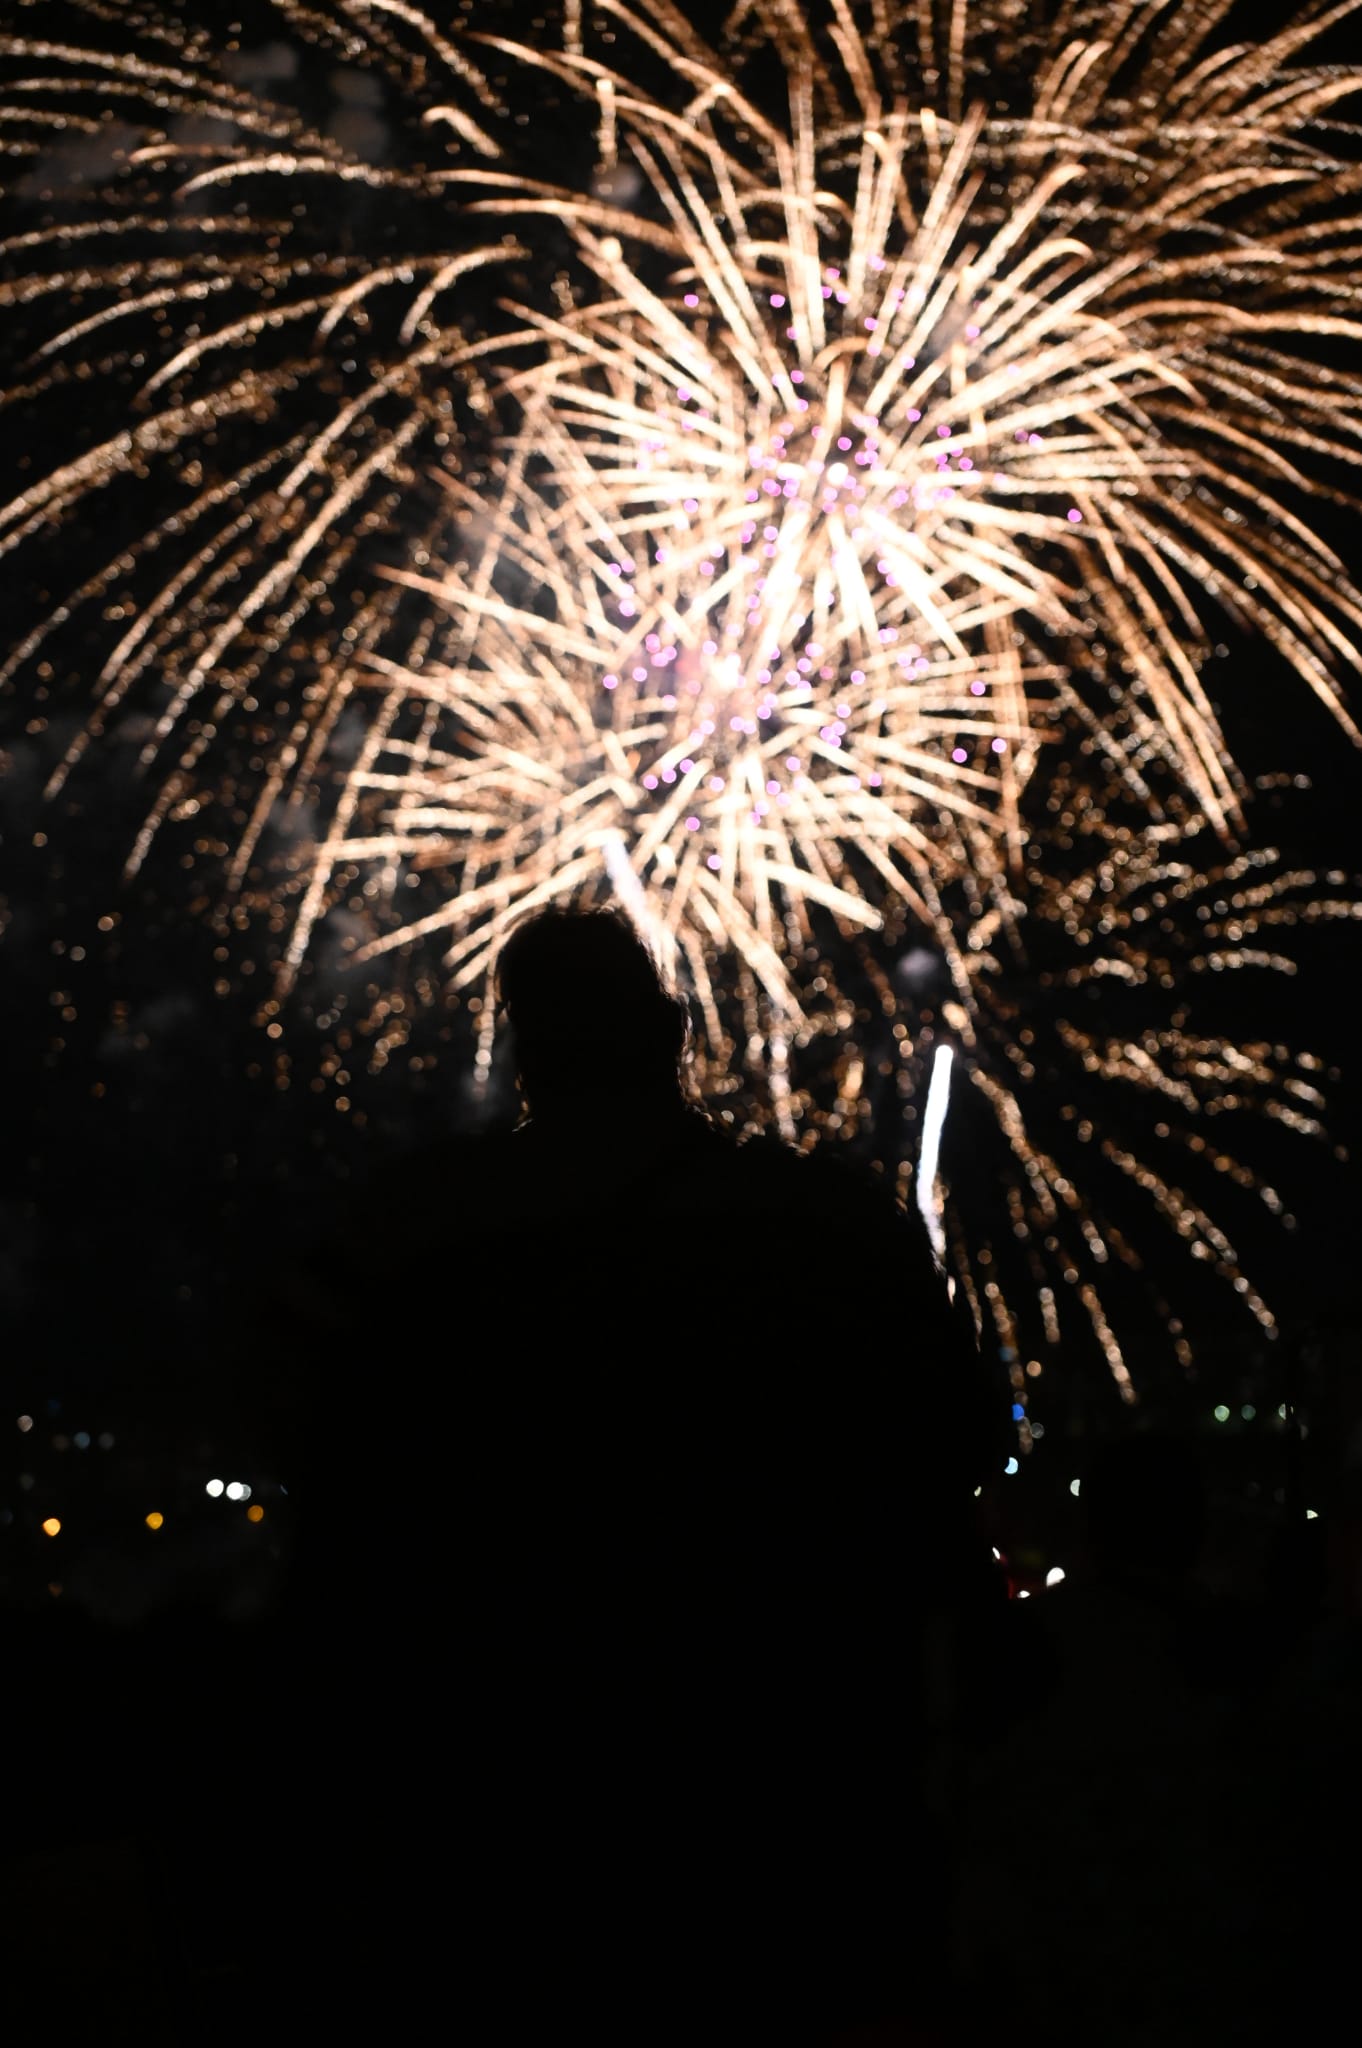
588,1008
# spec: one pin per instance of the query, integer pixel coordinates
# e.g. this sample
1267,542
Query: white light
933,1124
1054,1577
1310,1515
1023,1596
1222,1413
214,1487
1075,1487
236,1491
1010,1467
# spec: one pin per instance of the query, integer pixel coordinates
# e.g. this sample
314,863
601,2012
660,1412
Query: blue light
1018,1412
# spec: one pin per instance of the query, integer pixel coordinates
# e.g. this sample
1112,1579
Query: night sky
166,1141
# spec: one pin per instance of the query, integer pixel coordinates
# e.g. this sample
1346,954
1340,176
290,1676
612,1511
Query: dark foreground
1134,1825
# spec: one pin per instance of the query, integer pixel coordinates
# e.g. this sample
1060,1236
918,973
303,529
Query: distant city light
155,1520
52,1527
213,1488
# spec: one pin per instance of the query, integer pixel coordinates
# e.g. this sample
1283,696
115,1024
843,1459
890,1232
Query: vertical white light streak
929,1159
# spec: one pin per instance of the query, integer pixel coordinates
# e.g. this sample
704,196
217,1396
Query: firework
740,533
870,444
1113,1075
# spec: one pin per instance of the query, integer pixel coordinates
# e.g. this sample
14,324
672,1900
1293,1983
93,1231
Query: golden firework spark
1108,1070
867,446
850,439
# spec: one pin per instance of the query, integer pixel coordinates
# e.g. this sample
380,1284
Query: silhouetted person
672,1443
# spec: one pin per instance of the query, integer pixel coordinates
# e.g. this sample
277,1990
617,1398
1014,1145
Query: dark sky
152,1148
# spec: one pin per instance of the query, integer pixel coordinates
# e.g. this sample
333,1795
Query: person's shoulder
823,1171
817,1184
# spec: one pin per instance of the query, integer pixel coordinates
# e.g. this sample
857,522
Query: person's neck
608,1115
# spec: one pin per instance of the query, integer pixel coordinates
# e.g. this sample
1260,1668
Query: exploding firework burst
886,401
1113,1074
857,451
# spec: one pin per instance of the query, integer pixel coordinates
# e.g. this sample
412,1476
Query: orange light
255,1514
154,1520
52,1527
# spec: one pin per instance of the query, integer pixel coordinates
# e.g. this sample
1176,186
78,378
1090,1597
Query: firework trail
1115,1084
869,445
887,400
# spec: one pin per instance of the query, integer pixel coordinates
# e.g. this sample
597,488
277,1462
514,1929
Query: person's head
591,1016
1146,1508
